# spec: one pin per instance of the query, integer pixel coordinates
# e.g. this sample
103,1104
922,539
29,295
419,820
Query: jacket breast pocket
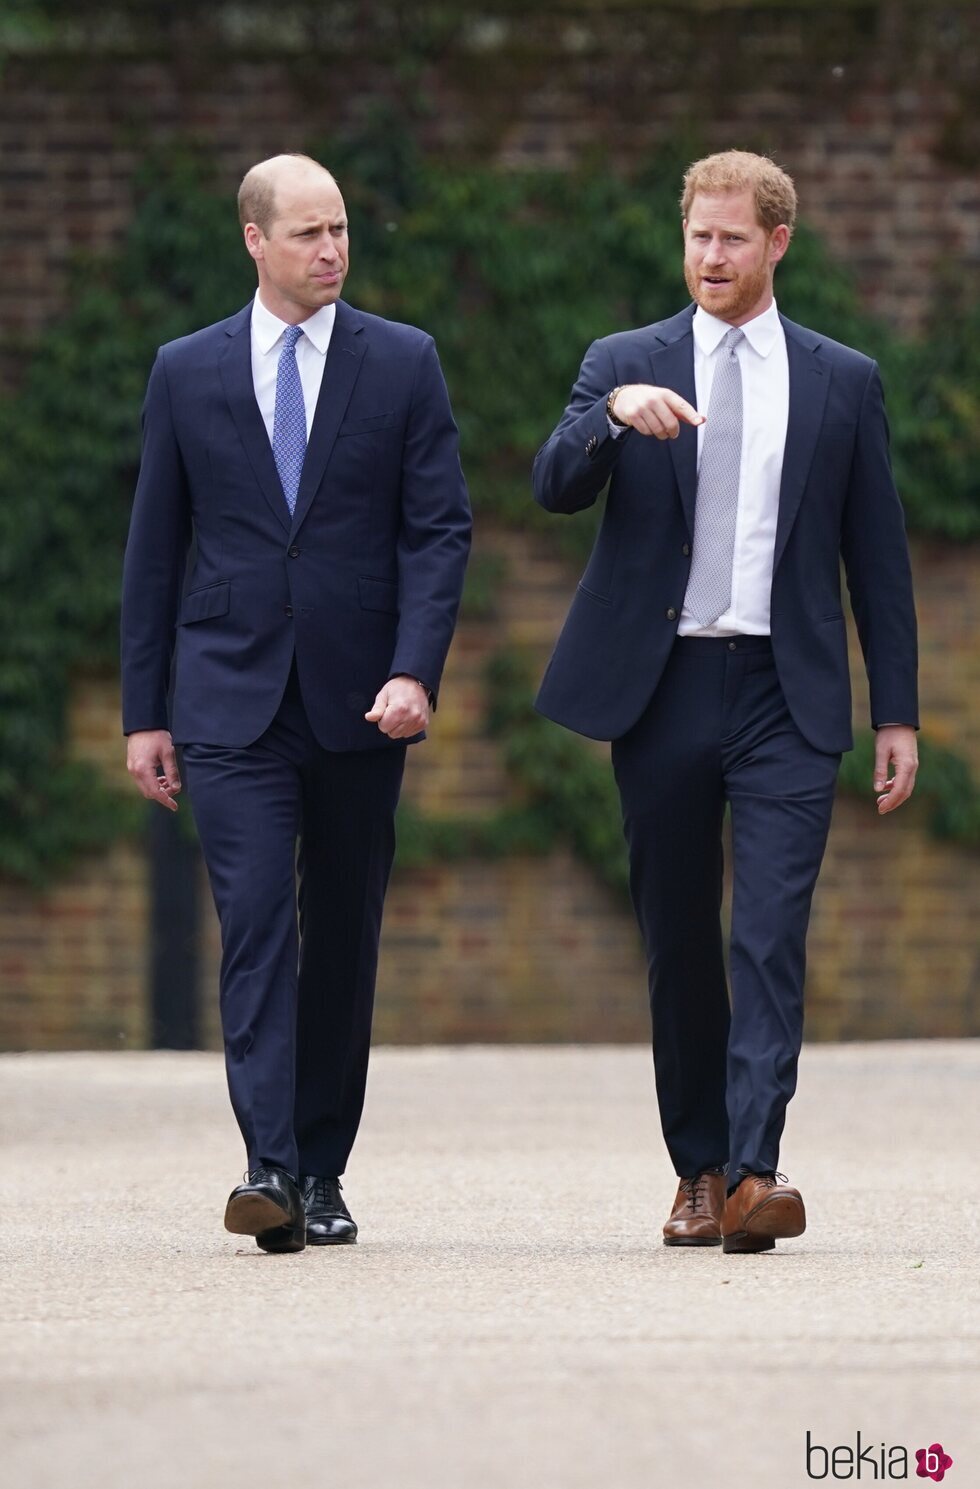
378,594
205,604
369,425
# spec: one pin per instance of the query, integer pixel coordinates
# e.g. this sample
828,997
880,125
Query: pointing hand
656,411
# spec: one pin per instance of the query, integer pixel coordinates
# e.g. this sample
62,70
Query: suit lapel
673,367
343,363
235,366
809,380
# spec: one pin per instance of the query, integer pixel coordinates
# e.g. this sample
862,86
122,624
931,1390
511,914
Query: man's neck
284,310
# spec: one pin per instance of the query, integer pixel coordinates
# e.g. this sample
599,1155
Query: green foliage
567,785
568,794
69,453
934,404
513,273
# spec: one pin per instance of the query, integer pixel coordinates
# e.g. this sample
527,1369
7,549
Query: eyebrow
305,227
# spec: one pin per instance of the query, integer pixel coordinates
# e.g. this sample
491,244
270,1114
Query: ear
778,243
254,240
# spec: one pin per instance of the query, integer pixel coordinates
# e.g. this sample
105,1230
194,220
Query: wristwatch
609,407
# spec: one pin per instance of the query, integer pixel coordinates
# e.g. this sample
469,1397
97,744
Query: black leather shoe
328,1220
269,1207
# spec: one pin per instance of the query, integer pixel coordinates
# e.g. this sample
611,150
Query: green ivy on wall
69,453
514,274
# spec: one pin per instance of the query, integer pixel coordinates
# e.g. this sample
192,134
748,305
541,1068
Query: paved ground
509,1317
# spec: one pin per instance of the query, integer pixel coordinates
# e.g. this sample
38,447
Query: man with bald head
305,455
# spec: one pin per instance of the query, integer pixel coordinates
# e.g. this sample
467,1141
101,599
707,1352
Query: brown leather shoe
763,1207
695,1219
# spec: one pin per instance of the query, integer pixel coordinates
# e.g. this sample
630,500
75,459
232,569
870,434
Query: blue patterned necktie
709,585
289,425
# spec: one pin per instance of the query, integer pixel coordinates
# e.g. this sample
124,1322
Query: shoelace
326,1194
771,1180
694,1189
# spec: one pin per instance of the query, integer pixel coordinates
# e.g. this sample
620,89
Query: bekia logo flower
873,1461
933,1462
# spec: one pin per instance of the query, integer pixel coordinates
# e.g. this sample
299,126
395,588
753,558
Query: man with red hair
745,457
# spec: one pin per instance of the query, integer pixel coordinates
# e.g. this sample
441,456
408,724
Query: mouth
714,280
332,277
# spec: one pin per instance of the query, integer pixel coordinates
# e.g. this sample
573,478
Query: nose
715,252
328,250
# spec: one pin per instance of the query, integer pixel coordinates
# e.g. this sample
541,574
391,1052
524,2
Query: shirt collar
268,328
761,333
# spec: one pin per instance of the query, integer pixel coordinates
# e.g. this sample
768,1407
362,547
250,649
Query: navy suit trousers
286,825
718,732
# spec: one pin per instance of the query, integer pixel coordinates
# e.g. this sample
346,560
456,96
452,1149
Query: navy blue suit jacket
837,500
363,582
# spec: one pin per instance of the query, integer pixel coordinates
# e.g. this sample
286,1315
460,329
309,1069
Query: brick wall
537,949
870,107
73,961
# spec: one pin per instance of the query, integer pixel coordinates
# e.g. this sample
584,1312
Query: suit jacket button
686,550
592,445
294,552
289,610
671,613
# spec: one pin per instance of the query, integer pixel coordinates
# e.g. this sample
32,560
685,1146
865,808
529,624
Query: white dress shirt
311,353
765,410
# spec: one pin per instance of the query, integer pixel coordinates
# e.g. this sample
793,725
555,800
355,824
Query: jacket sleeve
876,561
434,532
573,466
153,567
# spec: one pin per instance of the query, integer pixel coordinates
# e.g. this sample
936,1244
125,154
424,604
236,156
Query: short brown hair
740,170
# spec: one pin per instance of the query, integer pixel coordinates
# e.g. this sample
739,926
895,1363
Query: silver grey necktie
709,586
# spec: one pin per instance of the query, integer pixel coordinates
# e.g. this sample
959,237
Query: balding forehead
281,178
279,169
